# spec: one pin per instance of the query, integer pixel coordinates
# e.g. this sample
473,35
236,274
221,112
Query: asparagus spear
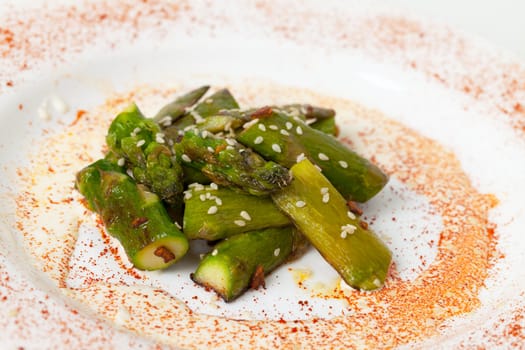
228,163
320,212
283,139
141,145
176,109
242,261
214,213
133,215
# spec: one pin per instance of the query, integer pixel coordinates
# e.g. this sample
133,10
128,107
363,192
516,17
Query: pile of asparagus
259,184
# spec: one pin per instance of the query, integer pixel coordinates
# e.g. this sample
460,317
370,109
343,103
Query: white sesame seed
310,121
276,148
231,142
323,156
209,100
324,190
277,251
377,282
141,143
198,118
165,121
245,215
240,223
258,140
343,234
284,132
351,215
218,201
343,164
300,157
186,158
189,127
208,195
289,125
318,168
202,197
212,210
299,130
250,123
205,134
159,140
300,204
170,142
214,186
136,130
121,162
177,225
262,127
198,187
230,148
214,252
326,197
210,149
187,195
273,127
348,228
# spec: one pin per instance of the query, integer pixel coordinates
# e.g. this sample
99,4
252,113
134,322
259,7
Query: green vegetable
321,214
176,109
226,162
286,140
242,261
133,215
140,144
214,213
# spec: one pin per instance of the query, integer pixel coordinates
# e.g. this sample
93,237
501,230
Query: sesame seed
210,149
186,158
276,148
343,164
300,157
187,195
277,251
250,123
245,215
230,148
284,132
258,140
300,204
262,127
273,127
351,215
289,125
324,190
377,282
318,168
299,130
323,156
177,225
202,197
348,228
343,234
198,118
198,187
205,134
214,186
326,197
212,210
121,162
208,195
136,131
141,143
170,142
218,201
240,223
209,100
159,137
231,142
214,252
310,121
166,121
189,127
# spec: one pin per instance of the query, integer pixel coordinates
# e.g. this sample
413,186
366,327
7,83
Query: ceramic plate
440,112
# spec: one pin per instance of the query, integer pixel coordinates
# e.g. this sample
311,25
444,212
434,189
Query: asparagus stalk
284,139
214,213
320,212
140,144
176,109
242,261
226,162
133,215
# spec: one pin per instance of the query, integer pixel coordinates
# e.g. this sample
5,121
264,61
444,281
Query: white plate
443,114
